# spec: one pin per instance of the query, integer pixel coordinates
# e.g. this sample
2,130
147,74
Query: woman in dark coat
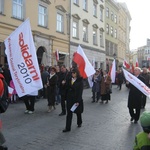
134,98
74,96
105,87
51,89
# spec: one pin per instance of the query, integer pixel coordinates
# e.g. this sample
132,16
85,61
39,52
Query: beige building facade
49,24
123,33
87,30
111,32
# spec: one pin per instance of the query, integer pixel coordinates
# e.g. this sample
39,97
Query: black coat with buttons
74,94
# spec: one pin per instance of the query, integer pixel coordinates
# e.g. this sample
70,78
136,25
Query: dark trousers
63,103
134,113
29,102
120,86
2,139
44,92
69,119
97,94
143,101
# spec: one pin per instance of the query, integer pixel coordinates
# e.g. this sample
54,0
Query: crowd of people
65,87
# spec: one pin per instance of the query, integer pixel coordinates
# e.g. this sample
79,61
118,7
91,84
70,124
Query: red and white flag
137,63
132,68
126,64
22,60
84,66
57,55
10,91
137,83
112,72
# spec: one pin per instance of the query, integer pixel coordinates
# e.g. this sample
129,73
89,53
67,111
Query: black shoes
135,121
65,130
131,119
62,114
3,148
80,125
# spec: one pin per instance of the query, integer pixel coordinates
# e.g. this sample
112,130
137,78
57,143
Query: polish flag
137,64
126,64
132,68
10,91
57,55
112,72
93,62
84,66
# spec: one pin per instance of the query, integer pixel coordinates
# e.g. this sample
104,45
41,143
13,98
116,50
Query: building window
94,37
42,16
1,6
60,23
107,12
75,29
94,9
115,18
111,31
112,16
115,33
85,33
18,9
101,39
76,2
85,5
101,14
107,28
111,52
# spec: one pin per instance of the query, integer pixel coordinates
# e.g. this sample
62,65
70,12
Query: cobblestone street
105,126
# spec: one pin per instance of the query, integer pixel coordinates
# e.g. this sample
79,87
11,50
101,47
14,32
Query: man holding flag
135,95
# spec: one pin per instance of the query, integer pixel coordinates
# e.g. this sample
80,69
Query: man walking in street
135,96
63,87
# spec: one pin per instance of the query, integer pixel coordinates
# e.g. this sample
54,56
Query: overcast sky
140,23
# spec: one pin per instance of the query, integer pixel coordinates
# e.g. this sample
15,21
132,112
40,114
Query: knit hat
145,119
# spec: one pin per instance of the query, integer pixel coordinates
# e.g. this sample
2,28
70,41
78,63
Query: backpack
4,101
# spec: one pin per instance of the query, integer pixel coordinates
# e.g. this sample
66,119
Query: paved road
105,126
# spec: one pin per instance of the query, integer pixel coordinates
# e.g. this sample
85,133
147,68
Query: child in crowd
142,139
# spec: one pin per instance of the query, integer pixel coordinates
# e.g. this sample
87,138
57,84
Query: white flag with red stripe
137,83
57,55
112,72
126,64
84,66
10,91
137,63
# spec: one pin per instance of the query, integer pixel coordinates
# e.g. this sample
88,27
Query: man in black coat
135,97
64,77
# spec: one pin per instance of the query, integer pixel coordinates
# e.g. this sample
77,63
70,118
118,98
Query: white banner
137,83
113,72
22,60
